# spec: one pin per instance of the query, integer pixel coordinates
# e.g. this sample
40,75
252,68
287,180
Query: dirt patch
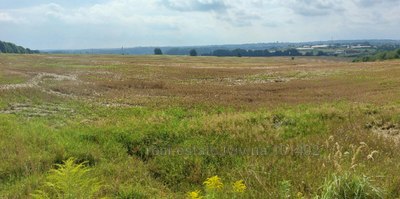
38,79
31,110
385,129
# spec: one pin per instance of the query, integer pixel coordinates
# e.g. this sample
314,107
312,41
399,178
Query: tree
193,52
157,51
222,53
321,53
7,47
309,54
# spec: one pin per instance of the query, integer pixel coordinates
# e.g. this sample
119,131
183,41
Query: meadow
160,126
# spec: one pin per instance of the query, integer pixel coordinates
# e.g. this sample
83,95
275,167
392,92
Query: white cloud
6,17
195,5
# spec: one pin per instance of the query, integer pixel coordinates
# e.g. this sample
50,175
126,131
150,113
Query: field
159,126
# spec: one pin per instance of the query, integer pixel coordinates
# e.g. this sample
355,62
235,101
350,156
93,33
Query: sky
77,24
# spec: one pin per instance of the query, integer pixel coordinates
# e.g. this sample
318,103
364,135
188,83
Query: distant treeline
379,56
262,53
7,47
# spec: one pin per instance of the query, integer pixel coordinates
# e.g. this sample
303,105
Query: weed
69,181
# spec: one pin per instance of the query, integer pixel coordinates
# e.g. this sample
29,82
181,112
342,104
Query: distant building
305,48
320,46
339,52
360,46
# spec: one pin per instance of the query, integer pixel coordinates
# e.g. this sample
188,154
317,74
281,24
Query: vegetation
193,52
7,47
350,186
157,51
380,56
162,126
255,53
69,181
215,188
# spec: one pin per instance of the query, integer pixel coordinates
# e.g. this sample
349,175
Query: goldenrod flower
194,195
239,186
213,183
300,195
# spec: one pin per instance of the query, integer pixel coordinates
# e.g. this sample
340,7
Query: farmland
159,126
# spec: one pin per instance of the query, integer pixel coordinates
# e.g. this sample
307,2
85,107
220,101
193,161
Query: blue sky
72,24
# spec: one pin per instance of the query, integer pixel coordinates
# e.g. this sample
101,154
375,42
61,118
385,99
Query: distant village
337,49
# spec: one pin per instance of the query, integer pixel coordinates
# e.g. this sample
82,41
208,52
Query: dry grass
238,82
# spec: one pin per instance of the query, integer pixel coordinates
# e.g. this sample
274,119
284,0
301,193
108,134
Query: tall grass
350,186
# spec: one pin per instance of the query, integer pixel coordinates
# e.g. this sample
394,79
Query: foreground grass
325,132
149,152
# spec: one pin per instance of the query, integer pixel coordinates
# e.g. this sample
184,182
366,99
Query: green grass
13,79
119,143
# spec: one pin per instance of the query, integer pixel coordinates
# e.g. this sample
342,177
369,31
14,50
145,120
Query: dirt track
37,80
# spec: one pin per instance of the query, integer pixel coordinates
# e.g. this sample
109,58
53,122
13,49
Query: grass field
159,126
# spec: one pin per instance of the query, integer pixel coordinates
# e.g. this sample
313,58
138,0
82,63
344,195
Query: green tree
7,47
158,51
193,52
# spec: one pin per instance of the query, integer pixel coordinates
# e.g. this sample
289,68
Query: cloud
195,5
239,18
315,7
5,17
370,3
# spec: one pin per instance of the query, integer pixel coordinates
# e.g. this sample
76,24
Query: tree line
380,56
7,47
255,53
251,53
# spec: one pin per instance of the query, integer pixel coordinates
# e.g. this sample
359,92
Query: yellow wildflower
239,186
300,195
194,195
213,183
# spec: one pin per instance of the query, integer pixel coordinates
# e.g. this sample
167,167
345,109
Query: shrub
69,181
